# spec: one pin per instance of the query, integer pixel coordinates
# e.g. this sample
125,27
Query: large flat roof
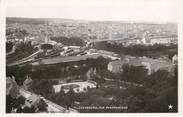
65,59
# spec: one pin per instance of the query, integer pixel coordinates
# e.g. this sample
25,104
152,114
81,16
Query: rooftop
60,59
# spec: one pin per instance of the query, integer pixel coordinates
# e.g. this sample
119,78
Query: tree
161,90
9,101
9,46
157,81
21,100
24,32
46,46
42,87
59,97
133,103
72,41
99,80
42,106
135,74
31,109
69,98
136,50
161,102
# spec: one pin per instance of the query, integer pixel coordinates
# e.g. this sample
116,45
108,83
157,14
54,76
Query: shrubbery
72,41
138,50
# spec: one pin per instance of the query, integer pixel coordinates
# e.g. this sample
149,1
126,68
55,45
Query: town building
77,87
158,39
115,66
163,39
27,83
12,88
145,38
33,100
175,59
152,65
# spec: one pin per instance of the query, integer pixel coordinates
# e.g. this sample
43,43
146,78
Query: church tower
145,38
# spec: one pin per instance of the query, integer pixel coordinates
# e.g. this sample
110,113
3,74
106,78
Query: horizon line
127,21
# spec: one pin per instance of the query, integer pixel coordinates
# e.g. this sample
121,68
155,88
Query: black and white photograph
91,57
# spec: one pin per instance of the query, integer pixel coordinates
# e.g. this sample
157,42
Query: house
77,87
164,39
175,59
27,83
152,65
32,100
115,66
12,88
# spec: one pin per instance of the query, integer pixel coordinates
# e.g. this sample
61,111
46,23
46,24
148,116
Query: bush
138,50
135,74
73,41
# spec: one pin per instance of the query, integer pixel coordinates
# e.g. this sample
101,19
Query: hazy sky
135,10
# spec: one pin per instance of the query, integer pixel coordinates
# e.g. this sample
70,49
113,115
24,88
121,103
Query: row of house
151,40
147,39
152,65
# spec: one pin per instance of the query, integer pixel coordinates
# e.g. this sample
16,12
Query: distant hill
25,20
63,20
41,20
